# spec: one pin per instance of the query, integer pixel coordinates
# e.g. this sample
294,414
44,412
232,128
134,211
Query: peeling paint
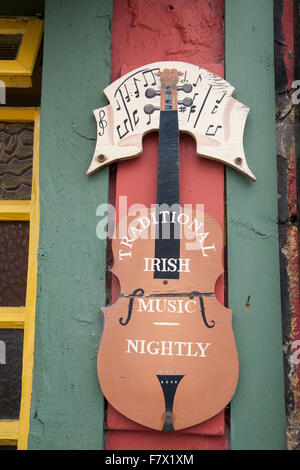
169,29
288,230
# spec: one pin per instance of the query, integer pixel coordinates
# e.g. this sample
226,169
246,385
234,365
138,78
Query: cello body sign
168,357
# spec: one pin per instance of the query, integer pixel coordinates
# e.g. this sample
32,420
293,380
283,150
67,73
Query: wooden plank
12,317
9,432
17,114
31,291
154,440
15,210
136,179
212,427
71,282
257,410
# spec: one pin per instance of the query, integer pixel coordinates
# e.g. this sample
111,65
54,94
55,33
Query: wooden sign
168,357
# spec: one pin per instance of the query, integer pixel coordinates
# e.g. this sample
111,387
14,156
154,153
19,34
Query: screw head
238,161
150,93
149,108
101,158
187,87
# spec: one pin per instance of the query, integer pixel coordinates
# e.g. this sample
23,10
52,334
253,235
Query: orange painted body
174,327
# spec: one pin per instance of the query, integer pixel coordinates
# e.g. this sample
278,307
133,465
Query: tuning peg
186,102
149,109
187,88
150,93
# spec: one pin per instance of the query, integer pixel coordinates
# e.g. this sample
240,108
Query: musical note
219,101
184,78
152,75
193,107
216,107
102,122
118,107
126,129
125,106
215,131
199,78
137,93
135,117
127,98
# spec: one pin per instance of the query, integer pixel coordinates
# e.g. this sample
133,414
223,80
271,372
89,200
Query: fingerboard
167,243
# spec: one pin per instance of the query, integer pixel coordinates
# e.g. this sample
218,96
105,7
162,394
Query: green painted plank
257,409
67,405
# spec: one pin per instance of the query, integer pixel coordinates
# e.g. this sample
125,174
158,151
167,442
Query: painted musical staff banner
206,110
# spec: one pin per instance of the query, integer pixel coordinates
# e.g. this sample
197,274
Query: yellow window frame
18,72
16,432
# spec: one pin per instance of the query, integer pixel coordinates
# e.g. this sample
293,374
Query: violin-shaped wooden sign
168,358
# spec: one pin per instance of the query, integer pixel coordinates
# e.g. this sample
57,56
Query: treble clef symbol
102,122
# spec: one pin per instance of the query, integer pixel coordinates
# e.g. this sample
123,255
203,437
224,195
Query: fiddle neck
167,241
167,244
168,184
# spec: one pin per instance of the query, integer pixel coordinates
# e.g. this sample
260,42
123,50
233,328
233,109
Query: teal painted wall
67,405
257,411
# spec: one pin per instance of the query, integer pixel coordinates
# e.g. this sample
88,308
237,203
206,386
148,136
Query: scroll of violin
168,358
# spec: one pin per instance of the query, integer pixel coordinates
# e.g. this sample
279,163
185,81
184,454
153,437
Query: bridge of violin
206,110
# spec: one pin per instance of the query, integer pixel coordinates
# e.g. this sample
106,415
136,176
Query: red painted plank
145,32
116,421
288,31
155,440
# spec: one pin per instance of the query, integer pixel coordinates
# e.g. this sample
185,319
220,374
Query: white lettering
184,263
135,346
147,307
166,305
135,232
180,216
167,265
197,227
167,348
180,344
172,265
190,302
123,253
155,351
190,350
202,349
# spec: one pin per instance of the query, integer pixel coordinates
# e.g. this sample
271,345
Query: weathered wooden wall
67,405
257,409
144,32
287,125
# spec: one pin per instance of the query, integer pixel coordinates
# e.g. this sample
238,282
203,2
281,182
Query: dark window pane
16,150
11,351
9,46
14,241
